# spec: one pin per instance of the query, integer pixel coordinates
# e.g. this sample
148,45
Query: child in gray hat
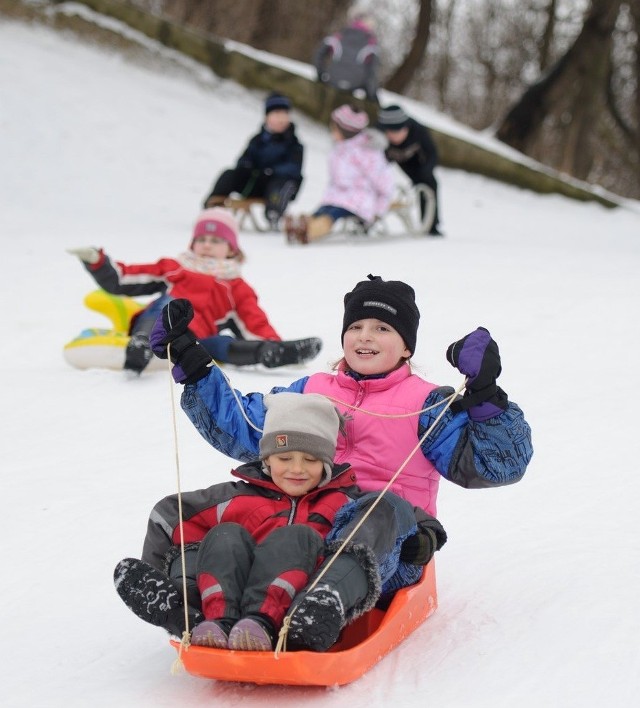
253,544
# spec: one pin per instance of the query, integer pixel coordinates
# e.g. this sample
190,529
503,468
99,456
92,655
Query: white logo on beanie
381,305
306,422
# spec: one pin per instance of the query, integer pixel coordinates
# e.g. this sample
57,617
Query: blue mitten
478,358
191,360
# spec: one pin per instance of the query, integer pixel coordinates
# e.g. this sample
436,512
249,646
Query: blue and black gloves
191,359
478,358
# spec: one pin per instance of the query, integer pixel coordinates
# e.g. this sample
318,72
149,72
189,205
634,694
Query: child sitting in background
208,275
361,182
259,539
270,167
413,149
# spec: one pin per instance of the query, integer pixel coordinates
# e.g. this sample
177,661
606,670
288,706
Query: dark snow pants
237,577
275,190
369,567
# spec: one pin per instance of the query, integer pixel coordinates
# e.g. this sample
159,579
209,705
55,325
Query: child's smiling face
296,473
373,347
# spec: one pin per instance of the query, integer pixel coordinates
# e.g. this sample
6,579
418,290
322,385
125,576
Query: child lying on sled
254,544
208,275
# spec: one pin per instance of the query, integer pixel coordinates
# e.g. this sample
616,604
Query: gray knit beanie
297,422
392,118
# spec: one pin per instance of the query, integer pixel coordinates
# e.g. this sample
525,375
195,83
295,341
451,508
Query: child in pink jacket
361,181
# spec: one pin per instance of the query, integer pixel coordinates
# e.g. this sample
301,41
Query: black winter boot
317,620
273,354
317,617
152,596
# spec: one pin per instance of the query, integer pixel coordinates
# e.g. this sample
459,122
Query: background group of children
360,181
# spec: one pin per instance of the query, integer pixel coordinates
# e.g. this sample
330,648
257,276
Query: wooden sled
406,207
243,208
362,645
96,348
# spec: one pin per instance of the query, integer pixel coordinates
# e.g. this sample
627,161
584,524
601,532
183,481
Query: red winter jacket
255,502
214,300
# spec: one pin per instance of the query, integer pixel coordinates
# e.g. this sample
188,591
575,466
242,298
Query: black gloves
419,548
477,357
191,359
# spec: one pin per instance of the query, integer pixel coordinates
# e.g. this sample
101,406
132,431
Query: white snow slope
539,583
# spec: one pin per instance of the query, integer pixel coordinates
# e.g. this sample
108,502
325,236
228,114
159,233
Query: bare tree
568,100
546,43
403,75
286,27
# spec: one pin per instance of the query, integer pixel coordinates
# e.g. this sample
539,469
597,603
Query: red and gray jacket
255,502
214,300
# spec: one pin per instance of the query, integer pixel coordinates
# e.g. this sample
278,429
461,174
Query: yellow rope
184,642
282,635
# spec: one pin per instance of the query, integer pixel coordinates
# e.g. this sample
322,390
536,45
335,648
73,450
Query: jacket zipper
292,513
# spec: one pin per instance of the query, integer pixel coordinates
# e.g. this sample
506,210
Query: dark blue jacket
281,153
417,155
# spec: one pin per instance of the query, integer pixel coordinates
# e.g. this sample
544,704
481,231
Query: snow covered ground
539,583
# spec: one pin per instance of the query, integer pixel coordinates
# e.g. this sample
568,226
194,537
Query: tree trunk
635,11
402,76
553,119
444,66
548,36
286,27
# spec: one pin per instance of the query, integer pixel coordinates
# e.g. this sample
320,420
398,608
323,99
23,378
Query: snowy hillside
539,583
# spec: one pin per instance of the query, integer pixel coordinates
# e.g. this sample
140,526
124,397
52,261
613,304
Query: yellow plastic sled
96,348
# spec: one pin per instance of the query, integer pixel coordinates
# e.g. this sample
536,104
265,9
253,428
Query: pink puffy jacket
376,447
360,178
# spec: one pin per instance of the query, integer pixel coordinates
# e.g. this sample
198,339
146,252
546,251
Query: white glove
88,254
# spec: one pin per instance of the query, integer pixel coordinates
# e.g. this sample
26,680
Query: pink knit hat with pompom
217,222
350,120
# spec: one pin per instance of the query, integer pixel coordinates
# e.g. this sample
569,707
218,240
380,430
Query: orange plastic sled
362,644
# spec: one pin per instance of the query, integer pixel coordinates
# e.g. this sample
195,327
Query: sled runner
406,207
243,208
96,348
362,644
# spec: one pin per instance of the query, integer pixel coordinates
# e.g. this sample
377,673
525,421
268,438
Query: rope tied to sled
286,623
185,642
282,635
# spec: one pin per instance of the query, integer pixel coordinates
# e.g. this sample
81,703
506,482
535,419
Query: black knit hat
390,301
276,101
392,118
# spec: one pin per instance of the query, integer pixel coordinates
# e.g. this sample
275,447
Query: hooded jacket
216,297
254,502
